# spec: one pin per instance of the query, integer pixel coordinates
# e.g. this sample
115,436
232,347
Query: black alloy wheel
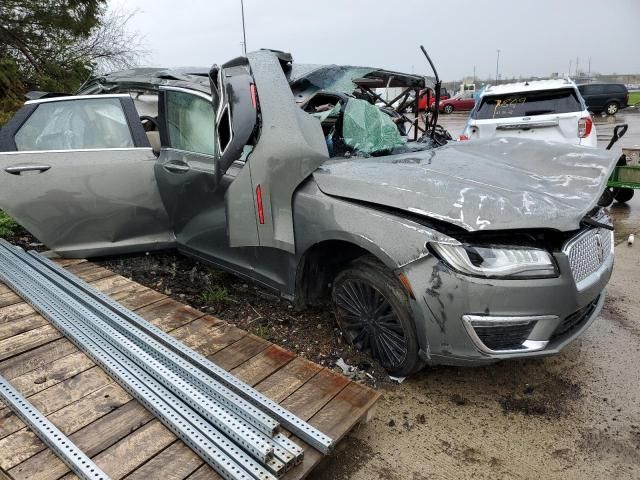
370,324
372,311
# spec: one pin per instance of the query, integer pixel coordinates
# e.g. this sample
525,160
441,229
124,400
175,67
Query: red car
422,100
460,102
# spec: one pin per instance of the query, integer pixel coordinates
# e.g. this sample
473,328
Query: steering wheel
152,120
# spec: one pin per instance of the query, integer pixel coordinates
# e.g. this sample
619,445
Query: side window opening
190,123
224,130
89,123
594,89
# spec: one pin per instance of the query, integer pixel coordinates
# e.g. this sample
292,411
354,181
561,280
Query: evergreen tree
39,36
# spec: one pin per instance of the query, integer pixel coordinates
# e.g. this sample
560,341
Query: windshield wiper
591,222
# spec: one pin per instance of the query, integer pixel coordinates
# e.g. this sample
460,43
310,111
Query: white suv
542,109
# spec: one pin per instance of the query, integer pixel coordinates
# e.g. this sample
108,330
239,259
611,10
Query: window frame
165,137
15,124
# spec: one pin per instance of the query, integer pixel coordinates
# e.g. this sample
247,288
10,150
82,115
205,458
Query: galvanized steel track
183,379
65,449
187,359
230,461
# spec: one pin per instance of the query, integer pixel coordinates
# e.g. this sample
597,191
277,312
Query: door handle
18,169
177,167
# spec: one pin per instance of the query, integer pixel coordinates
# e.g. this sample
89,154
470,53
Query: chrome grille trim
588,251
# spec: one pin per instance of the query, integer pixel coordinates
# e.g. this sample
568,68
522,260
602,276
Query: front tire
372,310
448,109
612,108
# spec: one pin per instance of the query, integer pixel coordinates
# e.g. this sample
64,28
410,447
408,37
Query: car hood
493,184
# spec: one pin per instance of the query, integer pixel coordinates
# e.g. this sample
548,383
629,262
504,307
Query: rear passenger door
596,97
77,172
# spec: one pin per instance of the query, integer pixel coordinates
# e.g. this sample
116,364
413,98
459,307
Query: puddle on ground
626,218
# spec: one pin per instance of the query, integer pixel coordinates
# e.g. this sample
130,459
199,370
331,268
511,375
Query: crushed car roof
150,78
305,79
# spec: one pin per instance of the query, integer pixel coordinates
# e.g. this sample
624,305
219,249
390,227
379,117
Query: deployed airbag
368,130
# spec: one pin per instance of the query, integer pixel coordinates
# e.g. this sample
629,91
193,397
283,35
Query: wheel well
319,266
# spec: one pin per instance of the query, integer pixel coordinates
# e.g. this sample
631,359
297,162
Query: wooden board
123,438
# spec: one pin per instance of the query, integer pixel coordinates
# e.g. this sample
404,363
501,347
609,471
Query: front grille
587,251
575,320
504,337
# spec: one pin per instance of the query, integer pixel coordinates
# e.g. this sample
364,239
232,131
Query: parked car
461,102
422,99
463,254
543,109
605,97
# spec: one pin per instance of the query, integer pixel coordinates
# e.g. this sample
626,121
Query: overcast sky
535,37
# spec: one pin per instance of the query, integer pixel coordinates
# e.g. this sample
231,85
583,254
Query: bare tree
112,45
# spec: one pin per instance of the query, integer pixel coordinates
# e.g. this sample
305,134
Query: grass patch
215,295
262,331
634,97
8,226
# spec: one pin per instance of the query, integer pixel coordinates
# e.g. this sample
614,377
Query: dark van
604,97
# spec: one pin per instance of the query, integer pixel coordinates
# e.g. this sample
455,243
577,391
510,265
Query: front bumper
462,320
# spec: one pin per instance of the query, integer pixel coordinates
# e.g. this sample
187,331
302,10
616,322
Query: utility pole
474,74
497,65
244,34
577,66
570,63
589,66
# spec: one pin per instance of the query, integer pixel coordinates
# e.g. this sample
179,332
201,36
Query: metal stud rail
217,450
183,379
57,441
230,425
241,407
291,422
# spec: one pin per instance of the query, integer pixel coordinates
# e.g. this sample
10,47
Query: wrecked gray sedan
460,254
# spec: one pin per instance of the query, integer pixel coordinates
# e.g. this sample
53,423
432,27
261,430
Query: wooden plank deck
123,438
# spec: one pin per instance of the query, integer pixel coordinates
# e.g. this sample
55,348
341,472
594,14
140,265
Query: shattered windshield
336,78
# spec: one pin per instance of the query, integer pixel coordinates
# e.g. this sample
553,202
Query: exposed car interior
356,126
147,106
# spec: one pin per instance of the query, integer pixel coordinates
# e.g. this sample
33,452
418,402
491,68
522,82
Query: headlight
514,262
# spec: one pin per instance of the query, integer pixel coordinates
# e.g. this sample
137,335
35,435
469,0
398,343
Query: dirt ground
573,416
